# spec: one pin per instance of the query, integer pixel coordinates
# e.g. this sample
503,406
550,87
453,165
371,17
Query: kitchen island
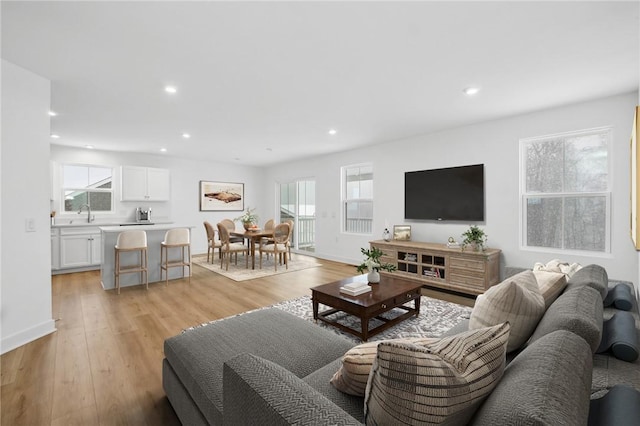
155,235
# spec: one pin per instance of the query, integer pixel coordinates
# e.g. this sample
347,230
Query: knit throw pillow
551,285
443,382
516,300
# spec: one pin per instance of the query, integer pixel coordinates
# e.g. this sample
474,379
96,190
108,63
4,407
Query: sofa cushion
320,381
516,300
442,382
197,355
352,376
551,285
548,383
594,276
578,311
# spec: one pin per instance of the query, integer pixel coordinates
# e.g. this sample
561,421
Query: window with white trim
86,184
357,198
566,191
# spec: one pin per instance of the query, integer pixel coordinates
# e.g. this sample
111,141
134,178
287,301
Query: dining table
253,236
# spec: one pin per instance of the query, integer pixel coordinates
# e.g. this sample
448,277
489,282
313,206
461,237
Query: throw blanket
556,265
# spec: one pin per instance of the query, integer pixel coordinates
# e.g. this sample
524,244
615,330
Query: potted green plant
373,264
249,219
474,237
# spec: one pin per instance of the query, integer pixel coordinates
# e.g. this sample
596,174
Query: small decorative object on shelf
452,243
249,219
474,237
373,265
386,235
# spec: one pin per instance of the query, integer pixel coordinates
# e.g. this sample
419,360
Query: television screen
454,193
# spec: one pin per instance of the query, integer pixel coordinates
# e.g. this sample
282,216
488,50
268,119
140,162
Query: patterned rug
436,317
241,273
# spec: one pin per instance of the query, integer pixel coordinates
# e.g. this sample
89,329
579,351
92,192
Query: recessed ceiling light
170,89
186,135
52,113
54,136
333,132
163,149
470,91
89,146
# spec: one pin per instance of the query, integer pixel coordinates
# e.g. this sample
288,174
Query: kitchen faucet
88,212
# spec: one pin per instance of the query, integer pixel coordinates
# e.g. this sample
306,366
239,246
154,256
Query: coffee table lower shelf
365,333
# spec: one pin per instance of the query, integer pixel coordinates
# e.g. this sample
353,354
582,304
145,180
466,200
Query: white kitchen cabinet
55,249
80,247
144,184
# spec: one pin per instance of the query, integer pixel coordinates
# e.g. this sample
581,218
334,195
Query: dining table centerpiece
372,264
249,219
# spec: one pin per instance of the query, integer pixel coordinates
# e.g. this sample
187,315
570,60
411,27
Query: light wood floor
103,365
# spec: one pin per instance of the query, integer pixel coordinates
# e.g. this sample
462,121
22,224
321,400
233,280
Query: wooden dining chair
290,222
277,246
231,227
228,248
212,243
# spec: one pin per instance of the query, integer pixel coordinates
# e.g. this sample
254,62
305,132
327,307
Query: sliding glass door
298,203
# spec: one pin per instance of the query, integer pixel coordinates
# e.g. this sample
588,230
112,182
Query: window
566,193
357,199
92,185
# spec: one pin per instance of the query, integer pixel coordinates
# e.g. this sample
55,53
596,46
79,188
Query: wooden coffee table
390,293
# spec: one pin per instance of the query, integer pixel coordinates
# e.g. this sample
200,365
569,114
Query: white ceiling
263,82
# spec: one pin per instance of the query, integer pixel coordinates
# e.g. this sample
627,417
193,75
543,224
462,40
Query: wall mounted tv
453,193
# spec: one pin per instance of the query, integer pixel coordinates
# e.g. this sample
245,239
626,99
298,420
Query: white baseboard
16,340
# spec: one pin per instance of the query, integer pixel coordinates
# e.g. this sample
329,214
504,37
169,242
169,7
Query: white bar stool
175,238
132,241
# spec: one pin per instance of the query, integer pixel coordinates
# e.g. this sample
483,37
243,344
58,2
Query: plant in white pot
249,219
474,237
373,265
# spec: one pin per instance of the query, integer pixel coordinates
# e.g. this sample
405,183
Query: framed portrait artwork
221,196
402,232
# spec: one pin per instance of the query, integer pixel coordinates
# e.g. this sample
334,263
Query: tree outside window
566,191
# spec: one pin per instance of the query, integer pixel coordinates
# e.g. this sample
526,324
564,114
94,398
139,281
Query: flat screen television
453,193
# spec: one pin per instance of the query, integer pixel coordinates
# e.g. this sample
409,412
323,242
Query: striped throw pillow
352,376
443,382
516,300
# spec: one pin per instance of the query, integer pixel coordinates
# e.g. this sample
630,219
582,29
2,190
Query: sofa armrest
258,391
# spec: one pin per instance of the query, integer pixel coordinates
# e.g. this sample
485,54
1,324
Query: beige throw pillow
516,300
550,285
352,376
442,382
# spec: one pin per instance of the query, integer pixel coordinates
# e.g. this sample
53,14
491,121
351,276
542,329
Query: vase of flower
373,277
373,265
249,219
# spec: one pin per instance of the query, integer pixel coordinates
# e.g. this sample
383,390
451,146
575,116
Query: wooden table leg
315,309
364,323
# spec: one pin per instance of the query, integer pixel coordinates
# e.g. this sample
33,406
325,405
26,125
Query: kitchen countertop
77,224
155,227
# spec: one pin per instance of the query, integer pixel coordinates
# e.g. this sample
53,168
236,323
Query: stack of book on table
354,289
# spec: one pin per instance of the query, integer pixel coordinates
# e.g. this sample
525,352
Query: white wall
496,145
26,256
185,185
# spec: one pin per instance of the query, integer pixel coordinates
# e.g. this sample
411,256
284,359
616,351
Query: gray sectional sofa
269,367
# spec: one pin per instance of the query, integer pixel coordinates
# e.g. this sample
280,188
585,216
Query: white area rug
241,273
